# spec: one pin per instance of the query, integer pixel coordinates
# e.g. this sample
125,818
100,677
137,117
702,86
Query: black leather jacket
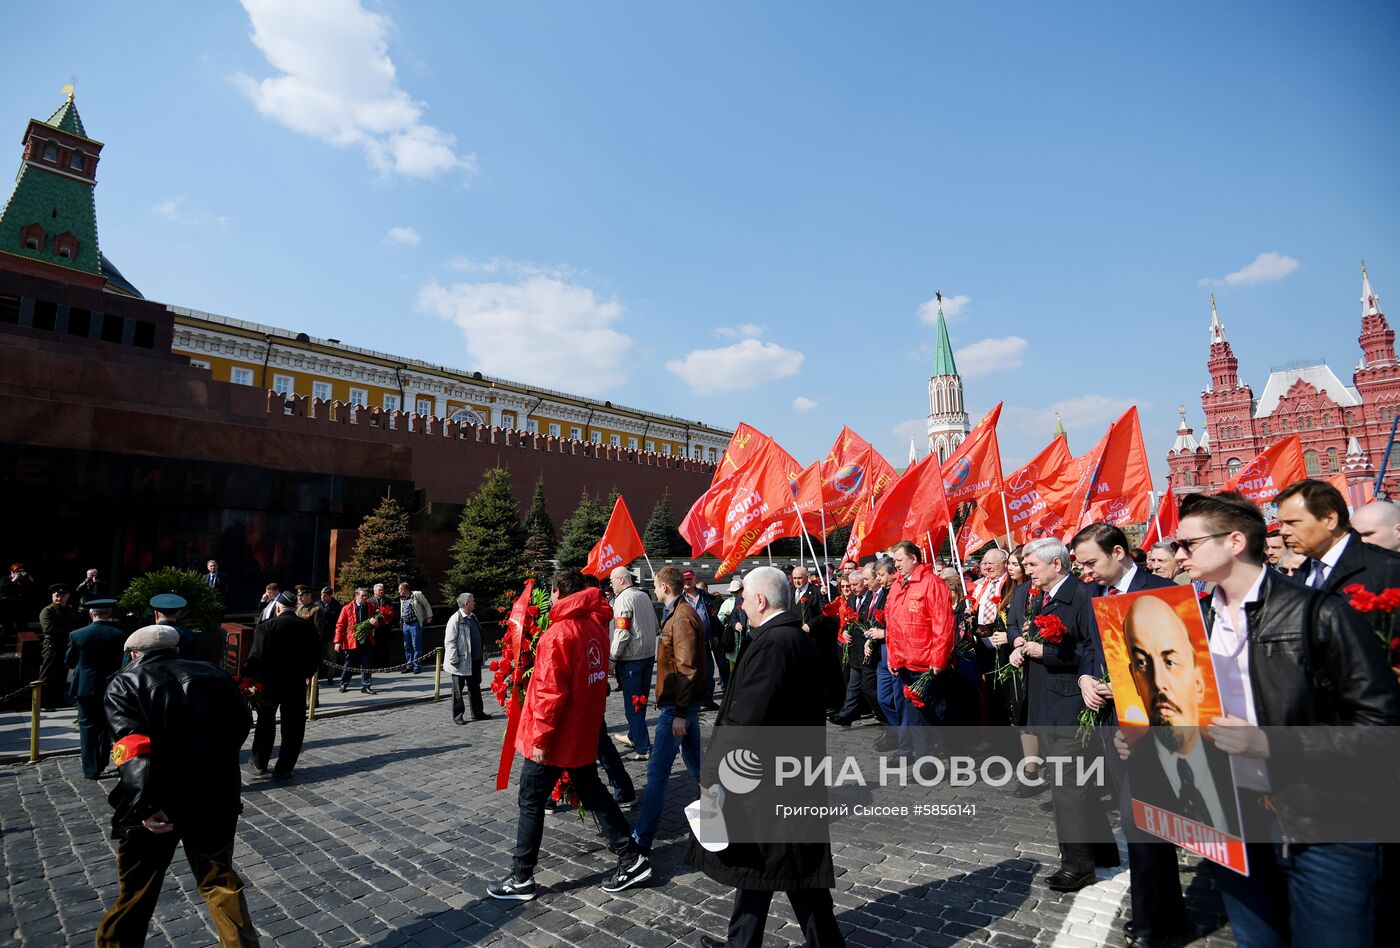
1321,684
196,720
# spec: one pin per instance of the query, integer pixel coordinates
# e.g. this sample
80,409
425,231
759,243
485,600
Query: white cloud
337,83
990,355
540,329
1265,268
515,268
736,368
741,331
803,403
1082,415
403,235
168,209
178,210
953,309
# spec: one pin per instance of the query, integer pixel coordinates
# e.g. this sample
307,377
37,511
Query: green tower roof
67,119
943,363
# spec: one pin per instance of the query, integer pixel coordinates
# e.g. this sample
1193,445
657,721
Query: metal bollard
315,692
37,690
437,674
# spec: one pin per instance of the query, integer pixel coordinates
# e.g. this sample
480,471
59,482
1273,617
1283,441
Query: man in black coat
1102,551
57,621
286,652
95,655
1052,679
771,687
1314,522
177,727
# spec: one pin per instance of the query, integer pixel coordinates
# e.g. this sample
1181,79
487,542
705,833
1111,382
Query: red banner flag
515,628
759,508
978,530
1270,472
1117,467
851,472
1025,506
1164,523
1357,494
618,546
911,507
701,524
974,469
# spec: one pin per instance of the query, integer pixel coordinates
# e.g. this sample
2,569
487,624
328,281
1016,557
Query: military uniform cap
149,638
303,588
101,604
60,588
168,602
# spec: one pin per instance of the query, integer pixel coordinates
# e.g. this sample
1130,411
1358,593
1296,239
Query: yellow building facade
248,353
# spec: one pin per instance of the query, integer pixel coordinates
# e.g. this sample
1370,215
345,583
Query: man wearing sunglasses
1287,655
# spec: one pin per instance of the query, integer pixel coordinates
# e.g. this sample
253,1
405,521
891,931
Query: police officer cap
101,604
59,588
168,602
287,599
150,638
303,588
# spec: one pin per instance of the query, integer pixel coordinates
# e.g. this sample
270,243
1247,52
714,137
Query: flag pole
1006,518
953,543
815,564
649,566
826,555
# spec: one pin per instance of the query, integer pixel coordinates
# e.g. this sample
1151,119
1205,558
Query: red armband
624,623
131,746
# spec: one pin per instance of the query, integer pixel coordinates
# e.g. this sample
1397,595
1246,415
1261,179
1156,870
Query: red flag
1357,494
1117,467
515,628
974,469
1028,509
1271,471
1118,511
618,546
701,524
978,529
759,508
911,507
852,472
1163,525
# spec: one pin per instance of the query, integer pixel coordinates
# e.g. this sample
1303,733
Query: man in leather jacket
177,727
1286,657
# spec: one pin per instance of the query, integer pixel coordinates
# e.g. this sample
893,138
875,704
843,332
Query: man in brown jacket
682,676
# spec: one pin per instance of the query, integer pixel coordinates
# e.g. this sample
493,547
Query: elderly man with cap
177,727
168,608
95,655
285,654
633,651
57,621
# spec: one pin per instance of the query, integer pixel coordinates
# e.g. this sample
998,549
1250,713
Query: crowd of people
913,647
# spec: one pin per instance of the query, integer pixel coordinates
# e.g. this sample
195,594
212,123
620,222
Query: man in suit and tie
215,579
859,601
1174,768
1052,671
1101,550
1314,522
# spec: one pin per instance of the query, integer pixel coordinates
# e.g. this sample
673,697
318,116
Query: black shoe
626,800
838,720
512,890
554,806
482,717
707,942
1066,881
1027,790
631,870
709,706
367,690
459,720
886,742
344,688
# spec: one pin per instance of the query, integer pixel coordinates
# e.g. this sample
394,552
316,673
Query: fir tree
383,553
661,538
582,531
487,558
540,541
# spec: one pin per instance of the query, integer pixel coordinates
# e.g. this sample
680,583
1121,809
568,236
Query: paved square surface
391,831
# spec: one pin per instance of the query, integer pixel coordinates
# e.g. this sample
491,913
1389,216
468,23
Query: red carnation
913,697
1388,600
879,616
1362,600
995,600
1051,629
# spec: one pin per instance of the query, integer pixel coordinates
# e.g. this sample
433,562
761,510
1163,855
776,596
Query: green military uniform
56,623
95,655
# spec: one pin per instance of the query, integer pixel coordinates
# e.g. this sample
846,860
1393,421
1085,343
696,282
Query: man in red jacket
558,736
918,639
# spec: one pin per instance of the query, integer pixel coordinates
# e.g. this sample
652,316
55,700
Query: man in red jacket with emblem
918,639
558,735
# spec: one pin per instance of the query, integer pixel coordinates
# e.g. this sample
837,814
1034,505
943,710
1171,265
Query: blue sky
738,211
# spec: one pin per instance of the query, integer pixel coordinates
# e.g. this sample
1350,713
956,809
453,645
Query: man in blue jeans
414,613
682,677
633,648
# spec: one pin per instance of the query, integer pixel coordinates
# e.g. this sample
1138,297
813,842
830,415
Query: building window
695,451
651,446
553,430
391,402
1283,425
508,419
631,444
710,452
666,450
576,433
1350,419
468,416
321,390
596,437
284,385
1310,464
241,376
1190,479
50,151
1332,464
76,162
532,426
199,363
1232,467
424,406
615,440
1264,429
359,396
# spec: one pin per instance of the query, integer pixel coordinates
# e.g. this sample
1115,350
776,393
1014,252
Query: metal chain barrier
339,667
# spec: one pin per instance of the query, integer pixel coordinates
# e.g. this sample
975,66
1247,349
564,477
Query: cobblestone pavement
391,831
